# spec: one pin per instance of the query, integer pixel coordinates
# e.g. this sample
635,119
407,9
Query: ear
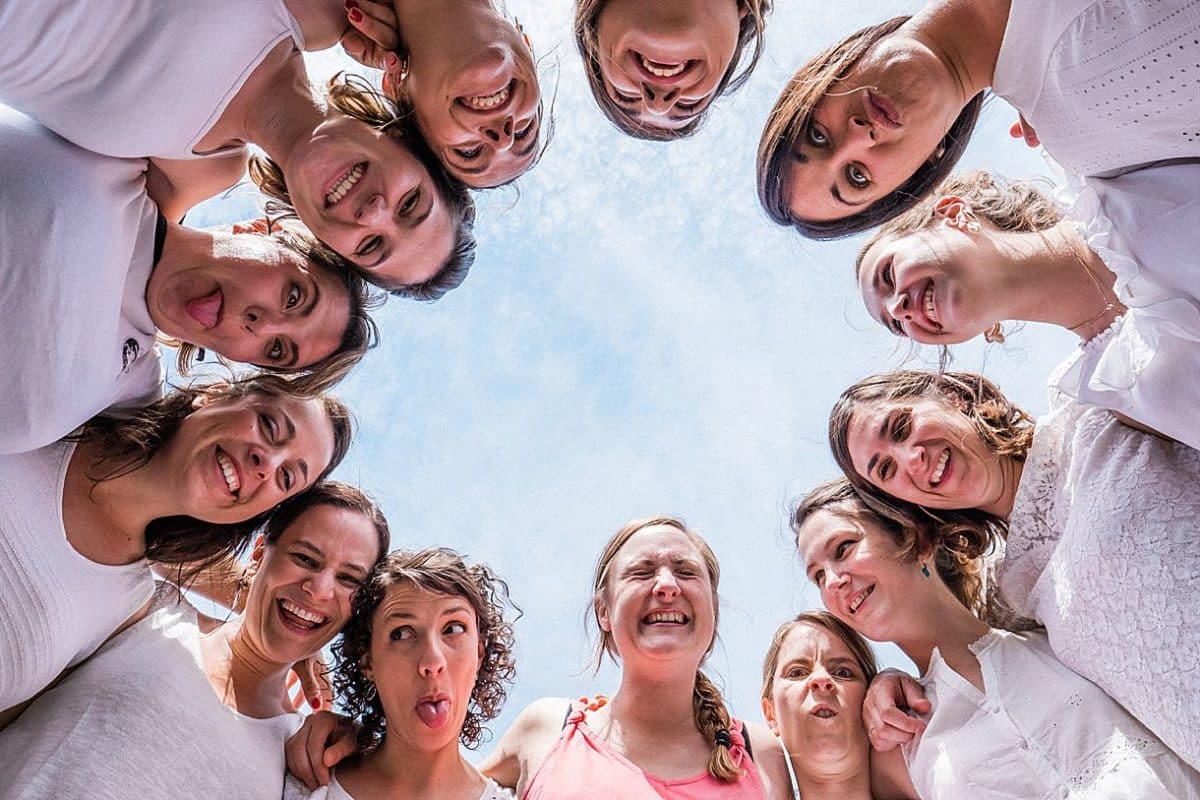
602,617
364,666
204,398
768,709
949,207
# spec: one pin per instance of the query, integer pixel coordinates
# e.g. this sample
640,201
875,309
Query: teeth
665,616
662,71
297,611
824,713
930,311
345,184
936,477
859,599
488,102
229,473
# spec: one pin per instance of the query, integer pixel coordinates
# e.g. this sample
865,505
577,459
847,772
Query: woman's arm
771,761
525,745
889,776
177,185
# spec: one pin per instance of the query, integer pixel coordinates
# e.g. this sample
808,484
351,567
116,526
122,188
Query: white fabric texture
1107,84
295,790
141,720
112,76
56,607
76,252
1037,731
1104,550
1145,225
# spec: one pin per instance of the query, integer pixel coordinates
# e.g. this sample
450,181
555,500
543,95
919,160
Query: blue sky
636,338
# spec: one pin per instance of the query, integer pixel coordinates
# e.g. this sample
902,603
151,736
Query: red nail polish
316,701
351,4
356,15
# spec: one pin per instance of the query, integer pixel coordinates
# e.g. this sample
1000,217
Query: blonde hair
751,29
708,707
864,656
791,117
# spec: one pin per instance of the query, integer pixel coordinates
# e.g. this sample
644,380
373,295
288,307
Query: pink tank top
582,766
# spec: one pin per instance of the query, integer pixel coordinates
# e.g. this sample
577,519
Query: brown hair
127,444
955,551
864,656
354,97
328,493
791,117
361,333
1006,430
441,571
708,707
752,28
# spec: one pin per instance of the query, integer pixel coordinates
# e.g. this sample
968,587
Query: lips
823,712
882,112
662,73
300,618
228,472
492,103
434,710
858,599
940,470
665,616
343,183
206,311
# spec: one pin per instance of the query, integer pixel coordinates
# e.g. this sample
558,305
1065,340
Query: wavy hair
328,493
708,706
127,444
441,571
354,97
859,647
789,121
751,32
1004,428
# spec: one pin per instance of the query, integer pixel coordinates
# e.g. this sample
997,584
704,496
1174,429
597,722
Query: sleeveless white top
135,77
1037,731
295,790
141,720
1145,225
1107,84
56,607
1104,550
76,252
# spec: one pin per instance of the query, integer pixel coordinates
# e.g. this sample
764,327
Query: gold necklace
1109,305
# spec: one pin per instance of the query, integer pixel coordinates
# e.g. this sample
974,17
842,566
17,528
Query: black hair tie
723,738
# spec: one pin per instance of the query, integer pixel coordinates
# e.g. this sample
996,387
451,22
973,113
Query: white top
1036,731
1107,84
56,607
135,77
141,720
295,790
1145,225
76,251
1104,550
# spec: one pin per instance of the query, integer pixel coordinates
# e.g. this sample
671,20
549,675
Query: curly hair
708,706
1004,428
361,333
354,97
751,30
128,443
956,552
864,656
789,121
444,572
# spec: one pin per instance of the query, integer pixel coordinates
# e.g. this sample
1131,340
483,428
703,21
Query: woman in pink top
666,733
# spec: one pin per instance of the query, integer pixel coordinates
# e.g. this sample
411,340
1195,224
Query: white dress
1037,731
77,246
295,790
141,720
1145,225
135,77
1104,550
56,607
1107,84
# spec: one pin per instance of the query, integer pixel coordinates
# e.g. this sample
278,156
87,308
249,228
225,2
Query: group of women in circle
1043,575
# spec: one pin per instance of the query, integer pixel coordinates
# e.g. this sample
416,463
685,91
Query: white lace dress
1145,225
1104,550
1036,731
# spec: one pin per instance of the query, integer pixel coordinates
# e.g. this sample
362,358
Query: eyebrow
882,435
291,434
482,168
458,608
837,195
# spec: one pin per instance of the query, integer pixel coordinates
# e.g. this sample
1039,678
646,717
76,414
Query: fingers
314,683
305,750
362,49
1021,129
340,749
914,696
375,21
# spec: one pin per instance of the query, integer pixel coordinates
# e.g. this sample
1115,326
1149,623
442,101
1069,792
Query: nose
860,134
834,580
499,132
820,681
433,660
900,306
913,458
320,585
374,210
665,585
264,461
659,101
261,321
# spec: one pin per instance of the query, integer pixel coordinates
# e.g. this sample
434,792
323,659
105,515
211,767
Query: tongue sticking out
206,310
434,713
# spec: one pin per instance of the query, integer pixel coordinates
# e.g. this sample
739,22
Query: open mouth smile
665,618
344,183
856,602
229,472
300,618
939,471
489,102
662,72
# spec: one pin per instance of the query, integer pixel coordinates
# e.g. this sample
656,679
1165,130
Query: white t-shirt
1145,225
1104,550
1107,84
76,251
140,720
295,790
135,78
1037,731
56,607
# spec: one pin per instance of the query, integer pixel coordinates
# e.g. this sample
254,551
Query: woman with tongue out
183,705
1004,717
425,660
1101,523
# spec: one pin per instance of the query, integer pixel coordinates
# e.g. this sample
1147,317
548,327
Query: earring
371,694
965,221
924,569
994,334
